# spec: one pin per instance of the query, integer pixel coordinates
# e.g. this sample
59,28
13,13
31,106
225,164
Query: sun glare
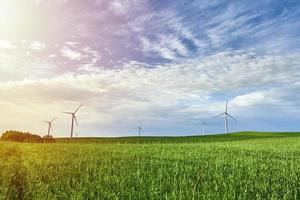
7,14
18,19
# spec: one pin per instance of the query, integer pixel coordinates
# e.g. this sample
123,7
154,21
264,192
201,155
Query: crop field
234,166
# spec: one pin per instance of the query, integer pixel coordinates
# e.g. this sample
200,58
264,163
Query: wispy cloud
73,55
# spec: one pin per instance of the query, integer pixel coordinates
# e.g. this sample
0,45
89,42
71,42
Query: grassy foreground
234,166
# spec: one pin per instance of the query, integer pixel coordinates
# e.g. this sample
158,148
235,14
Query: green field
234,166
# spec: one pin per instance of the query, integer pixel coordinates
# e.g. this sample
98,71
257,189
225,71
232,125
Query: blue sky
167,64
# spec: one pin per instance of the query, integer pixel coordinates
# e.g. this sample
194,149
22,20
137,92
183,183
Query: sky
165,64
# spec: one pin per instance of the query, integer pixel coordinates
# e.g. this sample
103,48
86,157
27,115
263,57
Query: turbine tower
73,119
226,115
140,129
50,125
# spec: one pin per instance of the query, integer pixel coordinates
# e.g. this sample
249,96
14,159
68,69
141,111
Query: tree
18,136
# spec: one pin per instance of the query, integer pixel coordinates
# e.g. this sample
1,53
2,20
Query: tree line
18,136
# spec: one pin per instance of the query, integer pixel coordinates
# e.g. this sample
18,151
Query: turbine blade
75,120
51,128
52,119
226,108
219,115
232,117
78,108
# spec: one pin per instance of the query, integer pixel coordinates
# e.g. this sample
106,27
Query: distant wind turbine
73,119
140,129
203,127
50,125
226,115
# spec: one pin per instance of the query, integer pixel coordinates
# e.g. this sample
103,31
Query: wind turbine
140,129
73,119
203,126
50,125
226,114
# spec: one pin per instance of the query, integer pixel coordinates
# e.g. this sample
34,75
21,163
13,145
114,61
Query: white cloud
4,44
33,45
169,47
37,45
23,59
252,99
71,54
23,44
177,92
122,7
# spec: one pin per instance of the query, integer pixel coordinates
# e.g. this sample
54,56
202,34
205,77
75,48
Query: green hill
181,139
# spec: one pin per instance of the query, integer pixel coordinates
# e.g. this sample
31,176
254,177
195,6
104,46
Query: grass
235,166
